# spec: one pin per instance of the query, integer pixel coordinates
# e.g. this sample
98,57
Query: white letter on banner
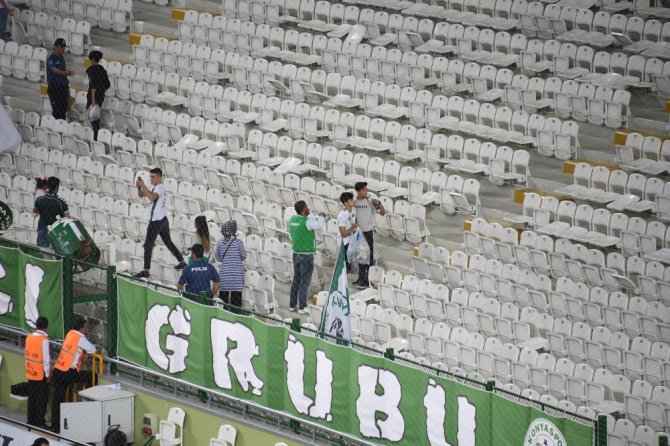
369,403
295,362
6,303
239,358
466,422
34,277
436,412
179,320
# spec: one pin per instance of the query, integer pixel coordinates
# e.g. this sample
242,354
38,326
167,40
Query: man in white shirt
345,222
158,221
365,209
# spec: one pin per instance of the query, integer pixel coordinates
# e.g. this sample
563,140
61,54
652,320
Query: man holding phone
158,221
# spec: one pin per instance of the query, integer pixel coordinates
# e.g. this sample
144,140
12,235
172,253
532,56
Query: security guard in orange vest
38,372
67,369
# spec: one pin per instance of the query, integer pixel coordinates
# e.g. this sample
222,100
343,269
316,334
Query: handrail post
203,297
601,430
112,315
68,293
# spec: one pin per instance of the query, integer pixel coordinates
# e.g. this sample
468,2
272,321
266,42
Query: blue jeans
3,22
303,266
42,239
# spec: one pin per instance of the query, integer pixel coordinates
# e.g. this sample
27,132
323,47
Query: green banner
514,423
30,287
369,397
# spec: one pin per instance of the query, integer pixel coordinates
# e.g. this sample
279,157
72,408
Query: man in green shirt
49,207
303,241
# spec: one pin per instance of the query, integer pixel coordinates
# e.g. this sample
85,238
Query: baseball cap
198,250
60,42
360,185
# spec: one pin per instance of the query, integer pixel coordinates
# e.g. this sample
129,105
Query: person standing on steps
5,11
231,253
345,223
98,84
158,221
38,372
199,275
303,242
203,238
365,208
58,86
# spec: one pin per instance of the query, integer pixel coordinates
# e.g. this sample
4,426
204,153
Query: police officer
38,370
68,366
58,84
199,274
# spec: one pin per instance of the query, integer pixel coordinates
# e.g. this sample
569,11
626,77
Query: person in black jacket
98,83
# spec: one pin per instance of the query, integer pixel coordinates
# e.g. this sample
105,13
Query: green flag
335,316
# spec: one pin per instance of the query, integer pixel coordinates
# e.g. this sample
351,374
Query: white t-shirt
344,219
157,208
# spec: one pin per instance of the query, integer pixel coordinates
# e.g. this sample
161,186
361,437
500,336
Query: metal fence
90,291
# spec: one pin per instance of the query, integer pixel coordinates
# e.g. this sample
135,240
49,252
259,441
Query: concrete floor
546,173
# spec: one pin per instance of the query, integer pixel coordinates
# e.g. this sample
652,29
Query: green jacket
303,240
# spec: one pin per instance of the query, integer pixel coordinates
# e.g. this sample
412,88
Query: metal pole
112,314
601,430
203,297
68,293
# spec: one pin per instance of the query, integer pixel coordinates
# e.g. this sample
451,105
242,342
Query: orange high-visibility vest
68,352
34,366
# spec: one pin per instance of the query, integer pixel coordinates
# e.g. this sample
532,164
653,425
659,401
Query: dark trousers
154,229
303,266
38,397
232,300
363,269
42,238
58,96
95,125
60,381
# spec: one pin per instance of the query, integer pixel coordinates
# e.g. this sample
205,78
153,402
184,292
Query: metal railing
90,291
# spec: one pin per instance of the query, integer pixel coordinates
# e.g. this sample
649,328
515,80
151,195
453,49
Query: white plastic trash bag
359,250
10,139
94,113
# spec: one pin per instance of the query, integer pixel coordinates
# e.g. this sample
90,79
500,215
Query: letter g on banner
179,320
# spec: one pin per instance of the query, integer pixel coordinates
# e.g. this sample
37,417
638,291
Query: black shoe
180,265
144,274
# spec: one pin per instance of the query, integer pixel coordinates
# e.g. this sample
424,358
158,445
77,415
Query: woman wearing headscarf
231,253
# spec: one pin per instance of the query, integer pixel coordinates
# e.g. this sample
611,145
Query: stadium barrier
371,395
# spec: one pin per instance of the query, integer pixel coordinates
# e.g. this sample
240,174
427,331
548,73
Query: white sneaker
294,309
304,311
